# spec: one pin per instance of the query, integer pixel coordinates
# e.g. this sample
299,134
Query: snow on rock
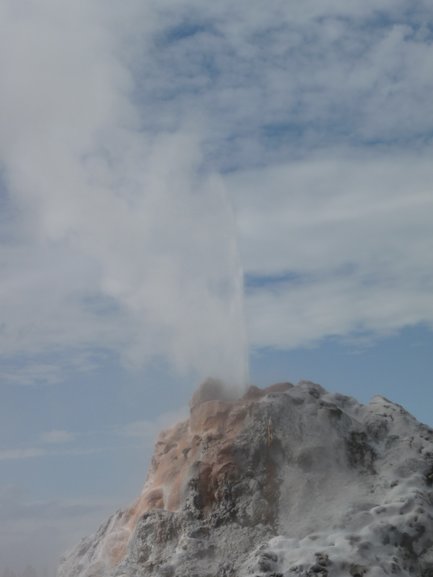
288,481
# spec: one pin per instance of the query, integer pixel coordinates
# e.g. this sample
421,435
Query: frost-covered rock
287,481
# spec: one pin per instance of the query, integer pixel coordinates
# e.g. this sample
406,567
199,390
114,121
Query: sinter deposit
286,481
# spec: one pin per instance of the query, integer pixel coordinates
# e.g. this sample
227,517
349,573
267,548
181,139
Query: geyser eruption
126,237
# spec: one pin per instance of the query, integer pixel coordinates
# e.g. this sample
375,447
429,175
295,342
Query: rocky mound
286,481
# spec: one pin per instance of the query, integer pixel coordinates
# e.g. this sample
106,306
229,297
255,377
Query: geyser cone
288,480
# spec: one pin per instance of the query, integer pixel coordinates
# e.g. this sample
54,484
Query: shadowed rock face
288,480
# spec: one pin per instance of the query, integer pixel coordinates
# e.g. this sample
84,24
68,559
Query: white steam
118,238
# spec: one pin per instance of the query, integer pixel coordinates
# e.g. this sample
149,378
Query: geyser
281,482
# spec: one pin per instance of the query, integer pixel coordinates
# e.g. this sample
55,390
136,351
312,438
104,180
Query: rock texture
286,481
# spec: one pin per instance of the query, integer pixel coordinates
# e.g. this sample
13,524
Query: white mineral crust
286,481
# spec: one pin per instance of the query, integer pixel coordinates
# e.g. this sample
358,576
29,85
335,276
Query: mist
132,240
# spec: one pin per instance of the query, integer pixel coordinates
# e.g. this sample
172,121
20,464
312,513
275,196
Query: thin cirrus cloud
147,430
122,153
57,437
339,247
59,442
37,527
36,452
288,78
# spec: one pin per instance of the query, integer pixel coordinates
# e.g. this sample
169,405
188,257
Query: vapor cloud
120,239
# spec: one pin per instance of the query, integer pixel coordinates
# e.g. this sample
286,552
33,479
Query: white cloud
56,437
301,314
24,369
332,211
277,80
25,453
337,244
21,453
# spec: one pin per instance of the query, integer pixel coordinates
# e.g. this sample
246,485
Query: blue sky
188,189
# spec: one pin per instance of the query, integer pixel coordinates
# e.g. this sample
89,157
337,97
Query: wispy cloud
26,367
337,246
268,83
57,437
21,453
146,430
38,531
24,453
60,443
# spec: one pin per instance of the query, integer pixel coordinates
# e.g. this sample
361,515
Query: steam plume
121,235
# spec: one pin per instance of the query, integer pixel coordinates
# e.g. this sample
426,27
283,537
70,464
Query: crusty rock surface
285,481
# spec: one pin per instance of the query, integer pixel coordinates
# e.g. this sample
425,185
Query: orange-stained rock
253,392
283,480
209,416
278,388
200,447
